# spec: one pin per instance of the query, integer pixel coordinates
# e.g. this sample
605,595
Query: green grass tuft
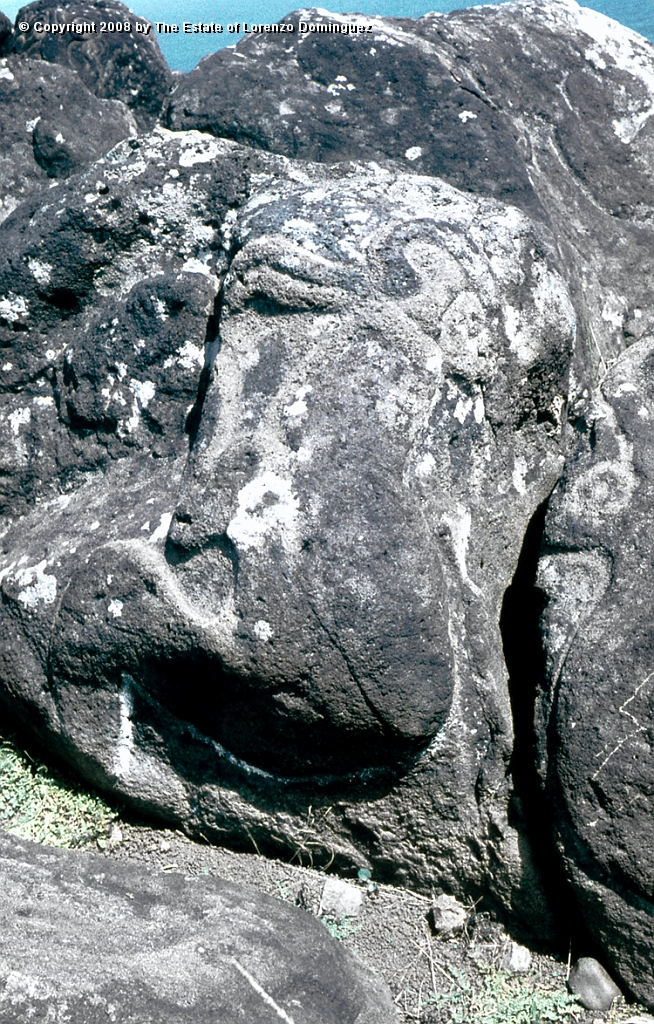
503,998
45,805
340,929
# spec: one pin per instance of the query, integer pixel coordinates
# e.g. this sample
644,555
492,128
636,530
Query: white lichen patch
463,409
189,356
18,418
143,392
426,466
115,608
159,308
298,409
519,474
196,266
13,308
267,508
199,150
161,531
39,585
263,630
41,270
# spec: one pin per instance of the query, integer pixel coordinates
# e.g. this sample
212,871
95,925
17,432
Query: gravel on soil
434,980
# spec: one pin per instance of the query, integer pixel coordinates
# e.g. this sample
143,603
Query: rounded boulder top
114,51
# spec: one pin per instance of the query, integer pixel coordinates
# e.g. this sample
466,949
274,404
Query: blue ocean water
183,51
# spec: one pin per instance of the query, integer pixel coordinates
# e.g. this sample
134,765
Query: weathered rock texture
6,32
544,105
326,574
51,127
595,715
86,940
278,413
114,65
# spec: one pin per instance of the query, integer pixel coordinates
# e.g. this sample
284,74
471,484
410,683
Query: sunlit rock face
546,106
377,424
116,54
283,411
594,717
296,579
52,126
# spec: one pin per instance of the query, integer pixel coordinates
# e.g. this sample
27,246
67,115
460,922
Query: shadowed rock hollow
285,383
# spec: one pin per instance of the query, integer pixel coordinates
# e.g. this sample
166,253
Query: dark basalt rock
91,940
107,312
6,33
545,106
51,126
127,66
276,415
327,572
329,97
594,719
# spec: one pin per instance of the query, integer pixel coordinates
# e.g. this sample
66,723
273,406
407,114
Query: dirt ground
434,980
462,978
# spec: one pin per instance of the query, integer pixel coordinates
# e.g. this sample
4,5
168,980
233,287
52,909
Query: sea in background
184,51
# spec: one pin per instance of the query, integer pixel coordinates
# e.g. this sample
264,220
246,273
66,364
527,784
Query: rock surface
594,719
340,899
6,33
114,65
278,413
51,126
516,959
546,106
384,405
594,988
85,939
448,914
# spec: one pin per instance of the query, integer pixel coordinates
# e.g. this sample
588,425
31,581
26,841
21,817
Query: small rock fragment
340,899
594,988
116,835
516,958
449,915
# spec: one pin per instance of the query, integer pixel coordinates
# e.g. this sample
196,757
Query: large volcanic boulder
312,607
545,105
595,716
548,106
277,416
51,127
118,64
88,939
